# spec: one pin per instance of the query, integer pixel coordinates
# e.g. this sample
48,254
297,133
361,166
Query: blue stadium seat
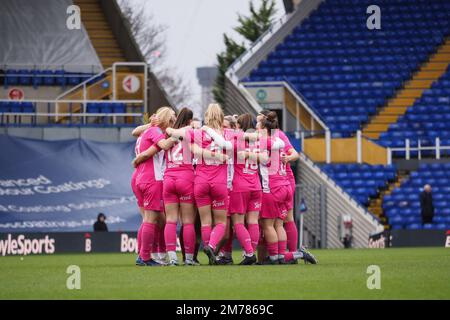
60,79
436,174
119,108
93,108
361,181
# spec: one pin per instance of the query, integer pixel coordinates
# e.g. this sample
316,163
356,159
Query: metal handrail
83,84
437,148
43,75
35,66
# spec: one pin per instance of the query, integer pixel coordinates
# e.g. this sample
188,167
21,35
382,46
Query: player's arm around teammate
149,181
210,186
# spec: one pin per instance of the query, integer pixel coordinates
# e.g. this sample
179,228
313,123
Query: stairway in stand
376,205
100,33
413,89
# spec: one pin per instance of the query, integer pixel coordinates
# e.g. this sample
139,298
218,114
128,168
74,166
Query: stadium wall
335,203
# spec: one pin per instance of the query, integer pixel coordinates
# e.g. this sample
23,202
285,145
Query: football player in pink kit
178,191
159,252
277,200
140,201
246,194
210,186
291,155
148,154
149,177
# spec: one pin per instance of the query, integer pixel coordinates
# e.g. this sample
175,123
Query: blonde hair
232,121
214,116
165,117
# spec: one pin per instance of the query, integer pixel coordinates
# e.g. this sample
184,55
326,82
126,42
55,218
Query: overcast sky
194,31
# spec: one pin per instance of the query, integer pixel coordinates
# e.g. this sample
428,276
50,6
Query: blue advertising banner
61,186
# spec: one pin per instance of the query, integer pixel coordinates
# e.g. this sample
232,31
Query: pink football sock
227,248
156,241
253,230
272,249
206,235
162,241
139,239
244,238
282,244
292,235
189,238
288,256
216,235
148,238
170,236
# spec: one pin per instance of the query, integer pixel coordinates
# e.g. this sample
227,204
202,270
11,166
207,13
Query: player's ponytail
214,116
184,118
270,121
165,117
246,122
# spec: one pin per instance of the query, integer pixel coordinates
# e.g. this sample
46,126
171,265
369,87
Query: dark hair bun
272,116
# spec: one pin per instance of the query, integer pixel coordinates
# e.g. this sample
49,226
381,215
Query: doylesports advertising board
66,242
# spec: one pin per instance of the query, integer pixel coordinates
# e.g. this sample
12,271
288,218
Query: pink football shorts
243,202
292,182
213,194
277,203
178,190
151,195
140,200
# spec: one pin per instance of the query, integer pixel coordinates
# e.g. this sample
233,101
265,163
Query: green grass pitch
413,273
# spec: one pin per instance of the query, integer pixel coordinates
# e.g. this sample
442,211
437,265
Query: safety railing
109,118
407,150
82,68
81,90
45,112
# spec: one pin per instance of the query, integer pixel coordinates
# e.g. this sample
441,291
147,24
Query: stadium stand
412,90
347,72
391,84
38,78
402,206
426,120
362,181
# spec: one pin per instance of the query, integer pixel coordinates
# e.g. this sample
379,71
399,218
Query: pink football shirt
274,173
179,157
246,176
208,170
287,147
152,169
